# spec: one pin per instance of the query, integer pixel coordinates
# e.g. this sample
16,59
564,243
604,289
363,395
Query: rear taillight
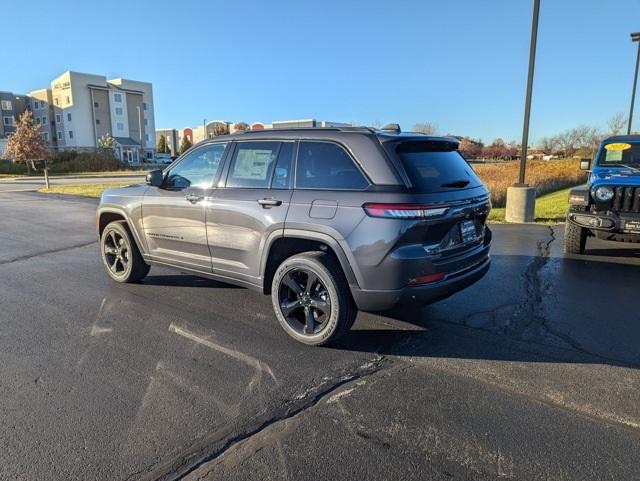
405,211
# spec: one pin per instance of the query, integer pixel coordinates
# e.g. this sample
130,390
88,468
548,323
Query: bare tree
548,144
617,123
471,149
241,126
428,128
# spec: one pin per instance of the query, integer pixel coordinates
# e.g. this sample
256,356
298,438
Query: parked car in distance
163,159
608,207
327,221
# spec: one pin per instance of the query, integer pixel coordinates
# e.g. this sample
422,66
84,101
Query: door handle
194,198
267,203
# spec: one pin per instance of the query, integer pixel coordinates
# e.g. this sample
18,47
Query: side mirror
585,164
155,178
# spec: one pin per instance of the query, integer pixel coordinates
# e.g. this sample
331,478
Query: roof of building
126,142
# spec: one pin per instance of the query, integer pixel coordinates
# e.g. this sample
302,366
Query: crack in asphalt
531,313
202,453
44,253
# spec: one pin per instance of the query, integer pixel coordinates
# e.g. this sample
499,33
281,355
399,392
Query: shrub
12,168
545,176
66,162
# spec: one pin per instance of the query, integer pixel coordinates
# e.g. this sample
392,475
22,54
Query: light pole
521,199
635,37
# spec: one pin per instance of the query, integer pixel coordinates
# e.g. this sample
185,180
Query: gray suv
328,221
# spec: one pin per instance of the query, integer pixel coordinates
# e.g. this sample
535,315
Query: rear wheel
575,238
311,298
120,254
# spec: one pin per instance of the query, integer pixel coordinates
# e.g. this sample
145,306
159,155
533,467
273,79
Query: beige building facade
78,109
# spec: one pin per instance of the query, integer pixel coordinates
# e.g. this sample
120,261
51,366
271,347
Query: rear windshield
435,166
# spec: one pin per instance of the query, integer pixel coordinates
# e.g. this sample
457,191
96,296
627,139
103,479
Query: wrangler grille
626,199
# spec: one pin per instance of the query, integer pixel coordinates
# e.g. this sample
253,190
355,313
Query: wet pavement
532,373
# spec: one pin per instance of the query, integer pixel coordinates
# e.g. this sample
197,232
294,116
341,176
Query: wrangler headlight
603,193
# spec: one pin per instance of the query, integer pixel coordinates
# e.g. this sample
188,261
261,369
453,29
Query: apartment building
87,107
78,109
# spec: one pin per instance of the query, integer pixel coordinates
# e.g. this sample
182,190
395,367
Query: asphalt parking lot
531,374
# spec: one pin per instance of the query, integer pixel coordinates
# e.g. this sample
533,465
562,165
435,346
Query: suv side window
198,169
252,165
324,165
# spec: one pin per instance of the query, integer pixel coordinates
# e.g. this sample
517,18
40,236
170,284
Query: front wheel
311,298
120,254
575,238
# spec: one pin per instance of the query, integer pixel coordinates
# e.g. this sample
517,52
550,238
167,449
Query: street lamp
635,37
521,199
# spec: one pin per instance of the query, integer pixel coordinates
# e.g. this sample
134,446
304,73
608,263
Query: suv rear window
435,166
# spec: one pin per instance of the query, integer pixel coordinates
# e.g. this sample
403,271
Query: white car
163,159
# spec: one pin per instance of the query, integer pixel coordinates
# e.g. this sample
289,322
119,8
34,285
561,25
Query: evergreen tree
162,145
185,144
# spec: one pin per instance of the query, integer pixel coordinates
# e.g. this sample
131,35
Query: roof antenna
391,128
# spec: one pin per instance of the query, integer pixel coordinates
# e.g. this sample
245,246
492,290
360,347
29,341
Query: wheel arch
294,242
111,214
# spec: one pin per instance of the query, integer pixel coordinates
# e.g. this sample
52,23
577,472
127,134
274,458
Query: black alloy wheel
304,301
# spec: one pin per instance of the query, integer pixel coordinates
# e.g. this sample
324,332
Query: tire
315,314
575,238
120,254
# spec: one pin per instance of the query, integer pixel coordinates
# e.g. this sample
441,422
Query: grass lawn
86,190
550,208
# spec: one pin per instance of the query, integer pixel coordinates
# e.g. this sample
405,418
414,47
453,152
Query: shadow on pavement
569,310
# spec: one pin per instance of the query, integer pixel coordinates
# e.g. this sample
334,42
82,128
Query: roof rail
301,129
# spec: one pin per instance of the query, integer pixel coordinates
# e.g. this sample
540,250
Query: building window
71,134
146,122
7,105
44,120
38,120
8,120
45,136
97,121
118,110
120,126
68,99
149,155
58,118
145,105
36,105
56,101
59,135
146,136
117,97
96,105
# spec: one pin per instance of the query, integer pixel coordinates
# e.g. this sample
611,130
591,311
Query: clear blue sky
461,64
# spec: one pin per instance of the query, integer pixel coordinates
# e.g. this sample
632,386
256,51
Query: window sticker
613,155
252,164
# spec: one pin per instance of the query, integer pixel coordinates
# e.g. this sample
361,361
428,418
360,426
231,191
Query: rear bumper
382,300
